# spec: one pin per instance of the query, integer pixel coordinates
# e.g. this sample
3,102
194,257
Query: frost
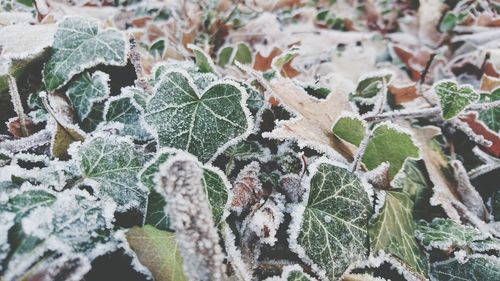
111,165
454,99
181,179
80,44
267,219
127,109
178,115
247,189
331,247
86,90
214,182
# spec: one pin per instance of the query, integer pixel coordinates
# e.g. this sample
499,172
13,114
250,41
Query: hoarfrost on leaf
454,99
392,231
87,89
475,267
80,44
112,165
199,124
331,245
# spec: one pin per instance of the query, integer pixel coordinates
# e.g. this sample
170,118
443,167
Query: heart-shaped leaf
87,89
110,165
454,99
80,44
127,109
199,124
329,230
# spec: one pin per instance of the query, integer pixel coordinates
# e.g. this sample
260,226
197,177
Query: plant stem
18,106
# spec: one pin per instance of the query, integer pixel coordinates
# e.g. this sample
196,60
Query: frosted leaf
22,203
203,60
350,128
454,99
199,124
214,183
329,229
73,219
24,41
247,189
491,117
158,251
266,220
291,186
446,234
181,179
288,159
484,246
240,52
6,222
80,44
475,267
245,150
392,231
370,86
112,164
126,109
87,89
389,144
59,229
65,131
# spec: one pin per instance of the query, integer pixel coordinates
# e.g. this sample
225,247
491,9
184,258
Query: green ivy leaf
216,188
446,234
240,53
157,250
387,144
392,231
203,60
414,183
198,124
80,44
491,117
57,229
87,89
475,267
127,109
371,86
350,129
111,165
330,228
454,99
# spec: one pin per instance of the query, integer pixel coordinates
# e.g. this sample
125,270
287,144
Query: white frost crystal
191,217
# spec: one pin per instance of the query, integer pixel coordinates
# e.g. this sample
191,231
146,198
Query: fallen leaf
479,128
313,125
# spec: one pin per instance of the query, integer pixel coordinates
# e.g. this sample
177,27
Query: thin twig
18,106
431,111
361,150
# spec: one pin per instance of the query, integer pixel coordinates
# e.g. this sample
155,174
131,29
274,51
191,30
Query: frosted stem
361,150
483,169
432,111
191,217
18,106
462,126
135,59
